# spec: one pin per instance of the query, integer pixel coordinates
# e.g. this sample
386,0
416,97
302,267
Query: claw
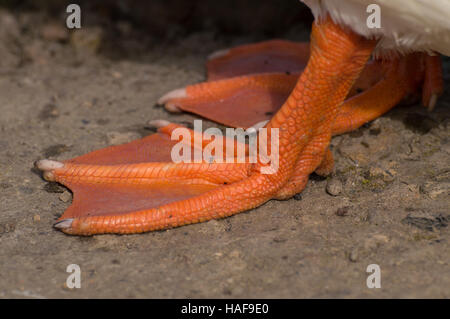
48,165
433,85
432,102
158,123
218,54
63,224
175,94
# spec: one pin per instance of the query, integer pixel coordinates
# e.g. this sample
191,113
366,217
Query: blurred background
269,16
120,28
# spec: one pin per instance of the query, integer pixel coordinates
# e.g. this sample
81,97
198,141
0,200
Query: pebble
334,187
65,196
353,256
342,211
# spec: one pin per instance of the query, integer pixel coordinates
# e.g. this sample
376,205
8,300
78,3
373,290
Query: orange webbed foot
116,182
132,188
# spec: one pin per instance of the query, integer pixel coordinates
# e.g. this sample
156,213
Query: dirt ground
64,94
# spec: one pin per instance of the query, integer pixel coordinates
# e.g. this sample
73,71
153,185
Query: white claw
175,94
48,165
63,224
172,108
432,103
218,54
158,123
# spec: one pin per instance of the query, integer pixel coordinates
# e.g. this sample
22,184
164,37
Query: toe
48,165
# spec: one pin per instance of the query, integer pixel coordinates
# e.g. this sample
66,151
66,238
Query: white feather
406,25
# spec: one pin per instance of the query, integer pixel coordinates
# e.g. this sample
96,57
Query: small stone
298,196
37,218
65,196
342,211
334,187
353,256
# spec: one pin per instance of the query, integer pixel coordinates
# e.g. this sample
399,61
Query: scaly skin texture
305,123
